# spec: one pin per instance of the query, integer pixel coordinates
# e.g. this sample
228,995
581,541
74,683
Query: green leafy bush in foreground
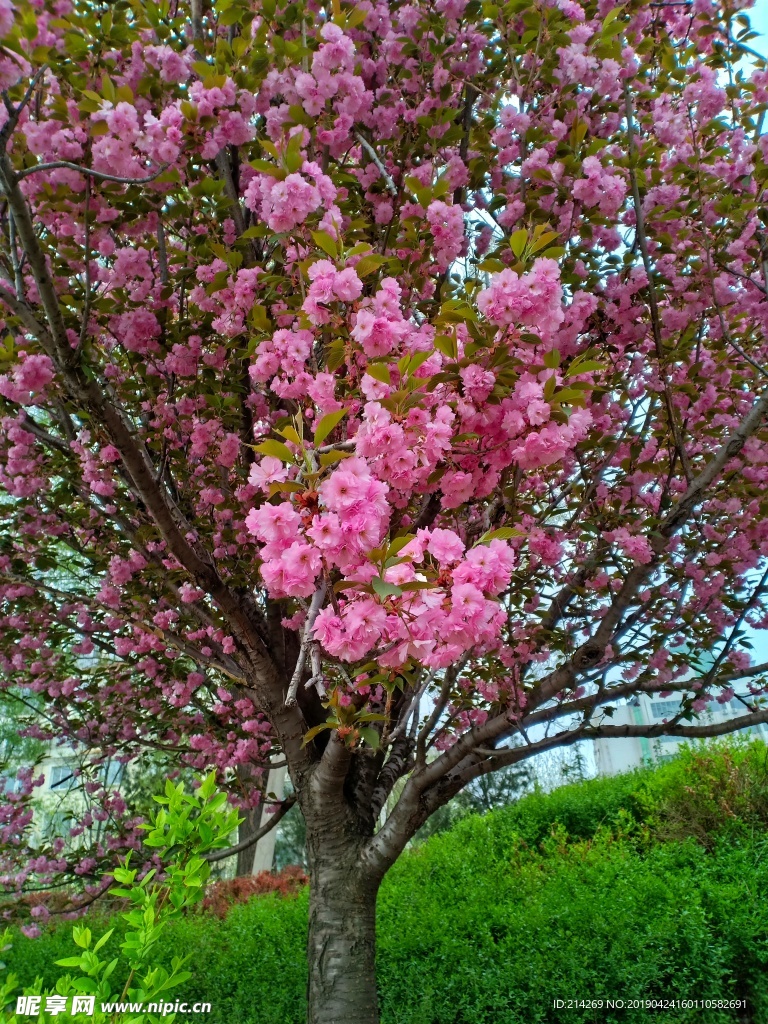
182,831
646,886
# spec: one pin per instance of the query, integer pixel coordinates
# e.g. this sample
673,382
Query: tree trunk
341,948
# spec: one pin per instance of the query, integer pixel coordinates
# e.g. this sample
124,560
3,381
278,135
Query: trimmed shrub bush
645,886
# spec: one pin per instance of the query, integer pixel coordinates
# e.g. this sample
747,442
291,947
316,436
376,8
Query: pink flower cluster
446,222
634,546
230,301
533,300
434,625
332,75
329,285
29,379
404,454
353,520
601,187
284,205
284,358
380,326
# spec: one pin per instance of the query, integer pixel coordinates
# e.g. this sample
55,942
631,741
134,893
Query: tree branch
652,301
391,186
90,172
274,819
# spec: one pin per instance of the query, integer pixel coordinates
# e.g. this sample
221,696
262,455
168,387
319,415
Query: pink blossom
293,573
533,300
456,488
30,377
267,471
283,205
378,335
538,412
487,566
272,523
600,187
446,222
478,383
346,486
445,545
634,546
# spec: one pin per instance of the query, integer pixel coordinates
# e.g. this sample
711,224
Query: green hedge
569,896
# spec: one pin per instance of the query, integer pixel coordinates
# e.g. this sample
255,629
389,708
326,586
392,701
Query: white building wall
620,755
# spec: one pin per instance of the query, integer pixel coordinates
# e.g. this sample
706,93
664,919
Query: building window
61,774
113,773
665,708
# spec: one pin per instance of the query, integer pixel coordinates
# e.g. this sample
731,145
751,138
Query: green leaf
612,15
384,589
328,458
416,360
327,423
445,344
104,938
334,355
518,242
353,17
583,366
275,448
324,241
259,318
124,876
370,736
491,266
399,543
503,533
315,731
542,241
208,786
568,396
293,157
368,264
380,372
290,434
85,985
176,979
69,961
81,936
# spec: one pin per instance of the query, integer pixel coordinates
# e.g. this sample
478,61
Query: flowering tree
385,392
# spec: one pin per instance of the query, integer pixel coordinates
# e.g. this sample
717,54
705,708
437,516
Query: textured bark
342,934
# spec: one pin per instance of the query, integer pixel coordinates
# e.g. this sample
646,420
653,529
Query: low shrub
222,896
601,890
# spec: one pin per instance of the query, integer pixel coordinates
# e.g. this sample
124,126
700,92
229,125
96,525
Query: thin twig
391,186
87,301
652,302
230,851
306,644
101,175
18,280
15,112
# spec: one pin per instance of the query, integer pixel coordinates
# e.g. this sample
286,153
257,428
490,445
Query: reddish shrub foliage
222,896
